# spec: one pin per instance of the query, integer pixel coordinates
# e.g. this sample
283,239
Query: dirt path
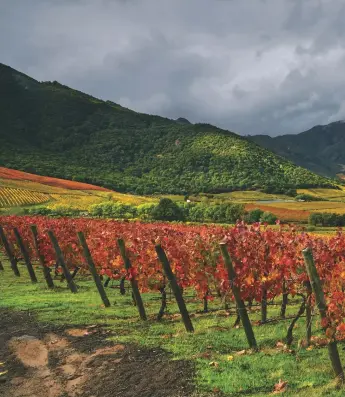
39,360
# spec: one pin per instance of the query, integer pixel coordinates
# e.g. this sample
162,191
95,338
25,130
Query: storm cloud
250,66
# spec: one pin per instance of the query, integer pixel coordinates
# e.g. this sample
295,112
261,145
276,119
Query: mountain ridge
320,149
50,129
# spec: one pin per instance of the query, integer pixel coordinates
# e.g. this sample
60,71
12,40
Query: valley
181,246
22,192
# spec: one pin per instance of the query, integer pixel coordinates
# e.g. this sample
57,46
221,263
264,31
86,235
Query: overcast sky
251,66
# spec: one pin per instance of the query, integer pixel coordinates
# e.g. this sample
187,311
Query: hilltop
320,149
50,129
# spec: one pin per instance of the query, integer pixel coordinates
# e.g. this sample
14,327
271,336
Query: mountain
320,149
182,120
50,129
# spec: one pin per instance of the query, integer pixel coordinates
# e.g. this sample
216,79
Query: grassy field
216,347
324,193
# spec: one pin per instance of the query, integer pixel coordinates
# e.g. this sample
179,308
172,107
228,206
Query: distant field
323,206
19,189
13,197
6,173
84,200
252,196
324,193
283,213
35,186
52,192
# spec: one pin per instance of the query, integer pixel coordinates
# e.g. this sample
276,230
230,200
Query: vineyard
7,173
241,267
20,189
12,197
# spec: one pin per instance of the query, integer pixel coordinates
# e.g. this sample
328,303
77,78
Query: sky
250,66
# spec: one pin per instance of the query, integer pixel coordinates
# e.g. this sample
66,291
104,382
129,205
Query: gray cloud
270,66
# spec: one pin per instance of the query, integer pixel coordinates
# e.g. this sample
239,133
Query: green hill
320,149
50,129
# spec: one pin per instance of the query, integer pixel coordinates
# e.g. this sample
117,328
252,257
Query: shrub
57,210
223,213
167,210
254,215
308,197
268,217
114,210
326,219
144,211
38,211
196,213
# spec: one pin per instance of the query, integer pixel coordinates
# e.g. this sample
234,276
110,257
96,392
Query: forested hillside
50,129
320,149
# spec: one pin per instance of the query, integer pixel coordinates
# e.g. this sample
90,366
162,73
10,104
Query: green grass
307,372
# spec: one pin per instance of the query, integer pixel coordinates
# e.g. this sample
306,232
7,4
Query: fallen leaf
309,348
230,358
213,364
280,387
241,353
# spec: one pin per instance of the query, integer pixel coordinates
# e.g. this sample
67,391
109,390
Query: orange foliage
7,173
284,214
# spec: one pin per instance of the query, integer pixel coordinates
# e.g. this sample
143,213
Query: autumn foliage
7,173
264,258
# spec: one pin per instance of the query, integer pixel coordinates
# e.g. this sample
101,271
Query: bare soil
41,360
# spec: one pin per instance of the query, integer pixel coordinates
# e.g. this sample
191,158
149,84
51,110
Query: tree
167,210
254,215
268,217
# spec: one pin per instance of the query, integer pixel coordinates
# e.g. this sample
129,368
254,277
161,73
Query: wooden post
122,286
175,288
308,313
93,270
134,284
25,254
9,252
284,302
61,261
163,302
205,301
46,270
263,305
239,302
321,304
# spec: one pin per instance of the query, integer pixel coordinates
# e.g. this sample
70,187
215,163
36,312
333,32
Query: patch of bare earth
43,361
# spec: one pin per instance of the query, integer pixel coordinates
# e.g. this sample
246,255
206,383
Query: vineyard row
11,197
244,263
